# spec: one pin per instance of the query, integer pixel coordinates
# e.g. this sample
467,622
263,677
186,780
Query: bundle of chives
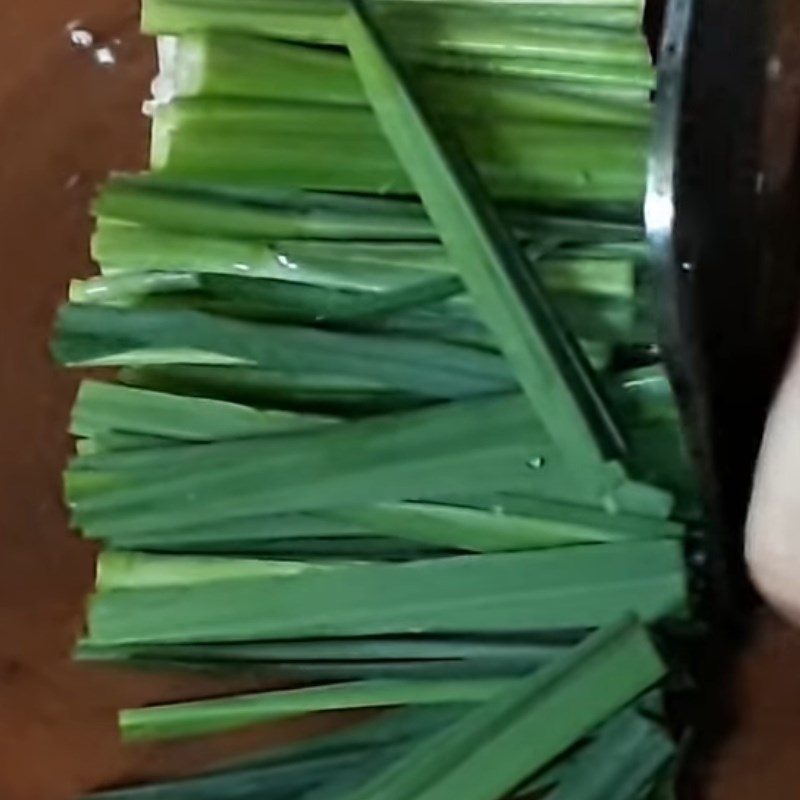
390,418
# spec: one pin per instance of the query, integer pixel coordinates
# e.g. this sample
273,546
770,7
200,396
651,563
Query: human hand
773,527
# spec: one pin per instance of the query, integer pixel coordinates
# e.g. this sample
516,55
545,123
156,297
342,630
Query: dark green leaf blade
547,362
493,749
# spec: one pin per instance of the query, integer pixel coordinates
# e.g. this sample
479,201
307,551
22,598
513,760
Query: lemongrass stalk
545,360
441,322
128,289
494,748
176,17
204,717
258,144
111,442
279,780
126,480
315,393
596,319
485,34
362,549
238,117
447,527
230,65
117,571
606,315
622,79
623,762
112,407
251,782
98,335
551,590
494,530
269,300
441,454
466,447
499,523
553,371
269,213
250,532
313,762
123,248
326,671
473,27
621,14
534,649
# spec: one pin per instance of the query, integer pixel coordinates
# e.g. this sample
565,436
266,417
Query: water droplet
105,56
242,267
536,463
774,68
286,262
687,266
80,37
72,181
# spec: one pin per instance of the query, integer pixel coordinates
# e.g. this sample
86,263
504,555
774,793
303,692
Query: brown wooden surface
760,760
66,121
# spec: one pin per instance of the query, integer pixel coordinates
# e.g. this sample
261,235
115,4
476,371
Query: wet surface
69,116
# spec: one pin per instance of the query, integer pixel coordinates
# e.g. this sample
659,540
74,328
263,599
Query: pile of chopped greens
390,421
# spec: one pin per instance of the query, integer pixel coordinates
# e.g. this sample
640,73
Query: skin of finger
773,526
